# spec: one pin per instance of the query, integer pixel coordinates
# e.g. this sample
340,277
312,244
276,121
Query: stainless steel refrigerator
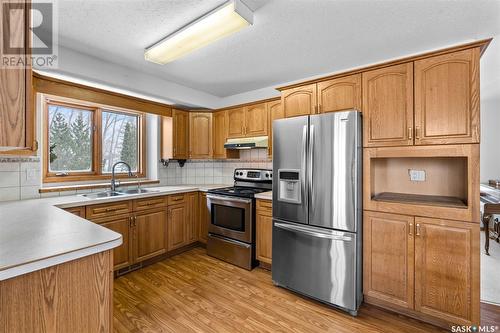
317,211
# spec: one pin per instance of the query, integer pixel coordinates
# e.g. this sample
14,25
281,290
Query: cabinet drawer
176,199
265,207
104,210
78,211
149,203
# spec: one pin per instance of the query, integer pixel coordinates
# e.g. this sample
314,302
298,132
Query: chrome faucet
113,181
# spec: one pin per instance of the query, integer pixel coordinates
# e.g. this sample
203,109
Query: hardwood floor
193,292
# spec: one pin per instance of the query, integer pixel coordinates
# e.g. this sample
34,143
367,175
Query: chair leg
486,221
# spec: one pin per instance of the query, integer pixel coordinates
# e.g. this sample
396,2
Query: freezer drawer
318,263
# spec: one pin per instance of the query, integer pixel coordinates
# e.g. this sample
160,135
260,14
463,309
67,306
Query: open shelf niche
449,190
445,181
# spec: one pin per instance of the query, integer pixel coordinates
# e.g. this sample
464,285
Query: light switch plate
417,175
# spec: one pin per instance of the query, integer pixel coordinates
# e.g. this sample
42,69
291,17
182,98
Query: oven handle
228,198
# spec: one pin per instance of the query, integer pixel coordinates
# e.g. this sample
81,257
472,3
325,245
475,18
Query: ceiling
290,39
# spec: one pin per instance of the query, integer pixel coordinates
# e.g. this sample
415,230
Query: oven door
230,217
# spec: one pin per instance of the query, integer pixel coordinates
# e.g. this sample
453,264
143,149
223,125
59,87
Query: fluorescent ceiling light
224,20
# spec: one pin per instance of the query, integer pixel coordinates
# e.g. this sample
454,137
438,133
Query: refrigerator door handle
304,162
314,233
311,166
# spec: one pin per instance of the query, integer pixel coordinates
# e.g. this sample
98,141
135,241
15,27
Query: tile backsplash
20,178
212,171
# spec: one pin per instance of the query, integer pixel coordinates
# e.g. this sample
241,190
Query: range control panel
253,174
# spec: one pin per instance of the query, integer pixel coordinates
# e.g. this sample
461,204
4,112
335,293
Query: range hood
247,143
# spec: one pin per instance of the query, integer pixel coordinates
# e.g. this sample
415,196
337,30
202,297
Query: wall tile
30,192
10,179
10,193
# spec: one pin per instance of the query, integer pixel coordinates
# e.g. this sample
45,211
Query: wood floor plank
193,292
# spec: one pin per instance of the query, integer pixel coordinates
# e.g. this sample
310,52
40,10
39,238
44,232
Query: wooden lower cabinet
388,245
75,296
192,217
78,211
176,227
204,218
264,231
423,267
122,255
149,234
447,270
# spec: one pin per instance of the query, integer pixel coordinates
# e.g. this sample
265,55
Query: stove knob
267,175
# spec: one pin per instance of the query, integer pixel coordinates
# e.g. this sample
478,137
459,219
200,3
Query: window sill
94,186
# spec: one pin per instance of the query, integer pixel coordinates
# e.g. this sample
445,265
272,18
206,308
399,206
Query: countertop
35,234
265,195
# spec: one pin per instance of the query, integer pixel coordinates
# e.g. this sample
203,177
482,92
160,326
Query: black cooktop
239,191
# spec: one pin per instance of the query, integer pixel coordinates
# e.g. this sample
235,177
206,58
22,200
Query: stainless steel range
231,232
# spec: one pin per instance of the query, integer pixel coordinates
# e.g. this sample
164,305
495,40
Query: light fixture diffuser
224,20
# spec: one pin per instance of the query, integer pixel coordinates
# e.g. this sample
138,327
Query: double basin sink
109,194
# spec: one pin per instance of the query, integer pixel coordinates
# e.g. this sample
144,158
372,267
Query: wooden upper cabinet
388,106
275,111
219,133
388,273
236,123
176,227
339,94
447,98
150,234
256,120
180,134
299,101
447,270
219,136
17,115
200,135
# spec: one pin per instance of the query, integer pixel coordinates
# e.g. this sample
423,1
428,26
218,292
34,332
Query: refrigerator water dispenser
289,186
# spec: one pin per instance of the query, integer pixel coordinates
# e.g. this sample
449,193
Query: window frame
96,172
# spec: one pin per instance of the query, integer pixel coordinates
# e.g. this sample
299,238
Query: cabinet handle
320,108
417,132
410,133
410,230
131,221
418,229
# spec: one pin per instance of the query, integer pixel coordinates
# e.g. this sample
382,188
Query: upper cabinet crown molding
388,106
447,98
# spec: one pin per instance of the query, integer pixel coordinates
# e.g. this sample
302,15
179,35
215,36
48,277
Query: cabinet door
275,111
122,256
388,255
236,123
256,120
447,98
219,133
192,217
447,270
264,238
176,227
204,218
180,134
14,90
388,106
340,94
150,234
200,135
299,101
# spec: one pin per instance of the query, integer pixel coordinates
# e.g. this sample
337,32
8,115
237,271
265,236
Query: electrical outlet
417,175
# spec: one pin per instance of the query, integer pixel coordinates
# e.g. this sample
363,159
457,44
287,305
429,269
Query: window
84,141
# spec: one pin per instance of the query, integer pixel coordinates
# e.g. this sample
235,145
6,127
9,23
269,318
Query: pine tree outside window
82,141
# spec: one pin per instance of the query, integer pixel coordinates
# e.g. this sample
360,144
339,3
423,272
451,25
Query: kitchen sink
137,191
104,194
